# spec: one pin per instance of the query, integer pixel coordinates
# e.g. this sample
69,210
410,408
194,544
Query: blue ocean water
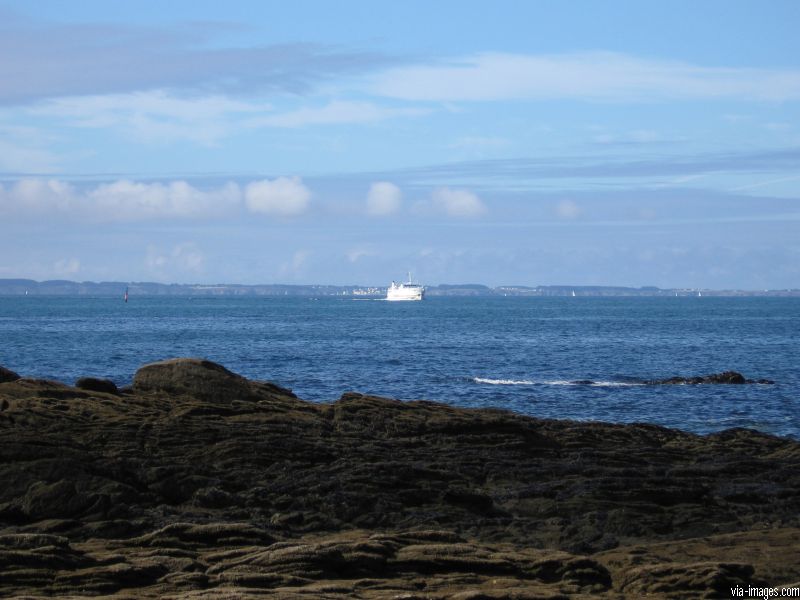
521,354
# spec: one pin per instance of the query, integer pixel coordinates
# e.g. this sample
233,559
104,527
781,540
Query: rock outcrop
727,377
7,375
94,384
724,378
198,483
200,379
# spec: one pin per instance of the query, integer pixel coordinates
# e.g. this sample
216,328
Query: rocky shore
198,483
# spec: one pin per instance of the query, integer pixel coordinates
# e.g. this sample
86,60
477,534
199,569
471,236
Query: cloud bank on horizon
538,144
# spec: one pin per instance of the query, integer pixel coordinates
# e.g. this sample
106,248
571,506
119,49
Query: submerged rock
726,377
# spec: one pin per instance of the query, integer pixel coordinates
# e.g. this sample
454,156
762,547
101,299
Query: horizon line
7,280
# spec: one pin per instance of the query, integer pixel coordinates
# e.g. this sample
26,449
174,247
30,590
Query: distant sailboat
573,293
126,295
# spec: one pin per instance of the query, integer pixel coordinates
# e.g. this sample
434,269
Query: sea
582,358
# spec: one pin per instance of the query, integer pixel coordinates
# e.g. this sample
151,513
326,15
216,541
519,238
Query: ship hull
404,294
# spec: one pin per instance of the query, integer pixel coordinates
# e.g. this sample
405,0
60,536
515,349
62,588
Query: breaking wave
503,381
594,383
589,383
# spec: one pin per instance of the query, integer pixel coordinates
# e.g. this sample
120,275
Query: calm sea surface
520,354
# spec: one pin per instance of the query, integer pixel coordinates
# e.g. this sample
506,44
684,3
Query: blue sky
532,143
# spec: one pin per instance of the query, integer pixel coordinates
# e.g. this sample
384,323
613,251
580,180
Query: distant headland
58,287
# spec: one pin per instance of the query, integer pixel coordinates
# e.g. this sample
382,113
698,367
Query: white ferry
405,291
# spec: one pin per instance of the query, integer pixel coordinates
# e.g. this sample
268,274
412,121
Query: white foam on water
591,383
503,381
587,383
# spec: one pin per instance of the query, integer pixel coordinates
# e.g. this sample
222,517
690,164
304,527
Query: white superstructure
405,291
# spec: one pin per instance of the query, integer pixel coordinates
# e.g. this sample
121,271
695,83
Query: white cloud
355,254
24,149
647,213
645,136
567,209
75,59
121,200
336,112
588,76
384,198
779,126
299,258
765,183
18,158
282,197
457,203
153,116
129,200
160,117
176,263
99,111
296,265
480,143
736,118
679,180
636,136
155,260
67,267
188,257
28,196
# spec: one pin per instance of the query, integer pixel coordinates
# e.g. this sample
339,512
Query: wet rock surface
198,483
7,375
727,377
94,384
724,378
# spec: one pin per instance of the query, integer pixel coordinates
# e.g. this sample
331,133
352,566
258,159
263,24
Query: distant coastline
22,287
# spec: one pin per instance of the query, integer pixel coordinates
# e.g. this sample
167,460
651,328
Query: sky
568,142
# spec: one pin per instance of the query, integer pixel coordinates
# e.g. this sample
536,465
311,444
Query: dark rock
213,497
195,377
693,580
29,541
268,386
93,384
192,535
203,380
30,561
59,499
476,502
204,484
7,375
727,377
